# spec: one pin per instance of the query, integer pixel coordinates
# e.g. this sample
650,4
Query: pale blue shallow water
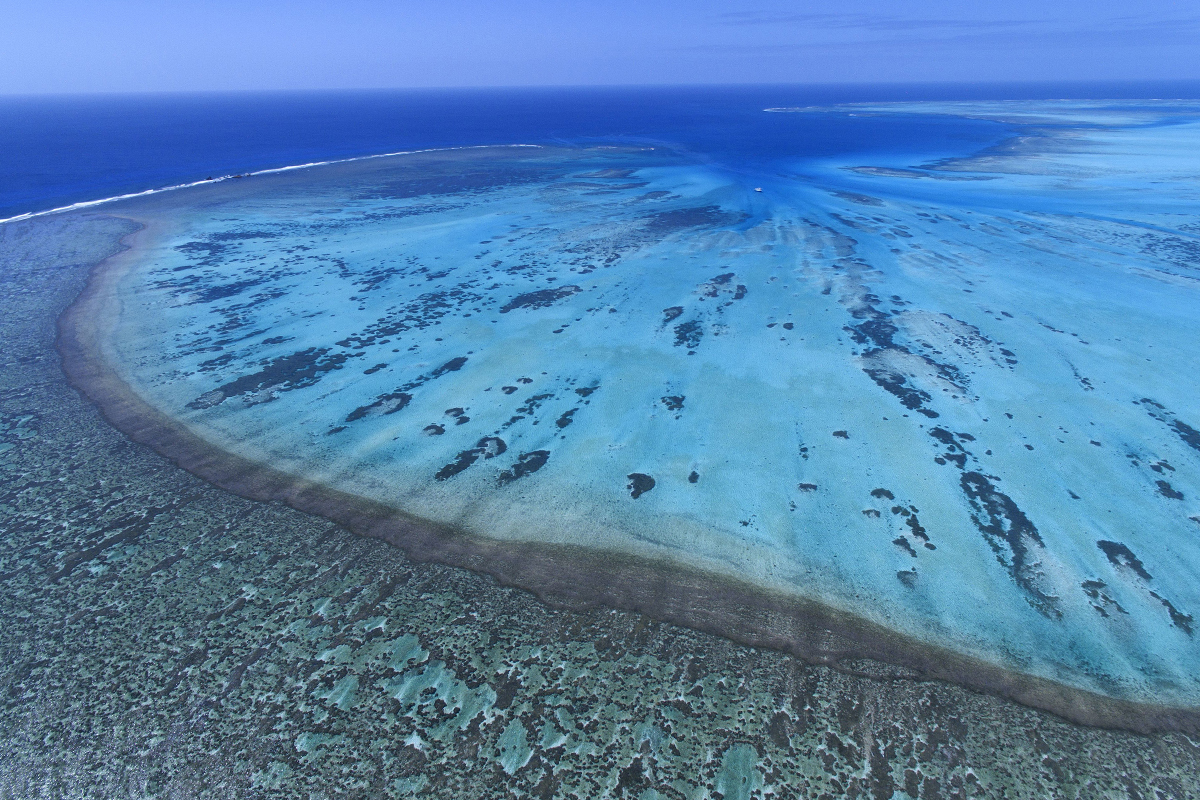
956,397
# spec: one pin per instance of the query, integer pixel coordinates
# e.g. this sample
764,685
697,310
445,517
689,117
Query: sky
56,46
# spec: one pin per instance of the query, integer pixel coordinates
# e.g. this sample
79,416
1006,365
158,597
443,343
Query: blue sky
164,45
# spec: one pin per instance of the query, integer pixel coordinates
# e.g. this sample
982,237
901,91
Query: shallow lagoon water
312,637
949,398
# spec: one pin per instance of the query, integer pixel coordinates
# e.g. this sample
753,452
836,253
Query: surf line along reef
937,414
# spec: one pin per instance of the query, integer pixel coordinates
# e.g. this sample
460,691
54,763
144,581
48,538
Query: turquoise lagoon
954,395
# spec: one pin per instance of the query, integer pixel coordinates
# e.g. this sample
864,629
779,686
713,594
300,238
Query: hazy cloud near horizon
139,45
938,27
1030,33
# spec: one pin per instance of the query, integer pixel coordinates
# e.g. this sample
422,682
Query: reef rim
572,576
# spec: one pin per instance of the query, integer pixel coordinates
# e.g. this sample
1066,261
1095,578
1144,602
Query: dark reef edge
572,576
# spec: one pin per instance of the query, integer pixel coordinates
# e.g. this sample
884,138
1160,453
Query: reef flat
945,424
164,638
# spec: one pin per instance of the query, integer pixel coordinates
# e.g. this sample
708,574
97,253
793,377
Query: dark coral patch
532,403
1011,535
527,463
1189,435
1121,556
713,287
639,484
488,447
539,299
1100,599
688,334
918,529
463,460
1178,618
388,403
453,365
283,374
1166,490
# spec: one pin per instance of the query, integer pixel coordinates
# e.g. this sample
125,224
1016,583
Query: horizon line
1080,82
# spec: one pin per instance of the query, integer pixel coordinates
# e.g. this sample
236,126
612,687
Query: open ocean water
848,449
60,150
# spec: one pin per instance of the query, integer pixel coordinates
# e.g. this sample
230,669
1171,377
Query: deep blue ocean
55,151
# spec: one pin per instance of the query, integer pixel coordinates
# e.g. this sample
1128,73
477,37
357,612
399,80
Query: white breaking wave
113,199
